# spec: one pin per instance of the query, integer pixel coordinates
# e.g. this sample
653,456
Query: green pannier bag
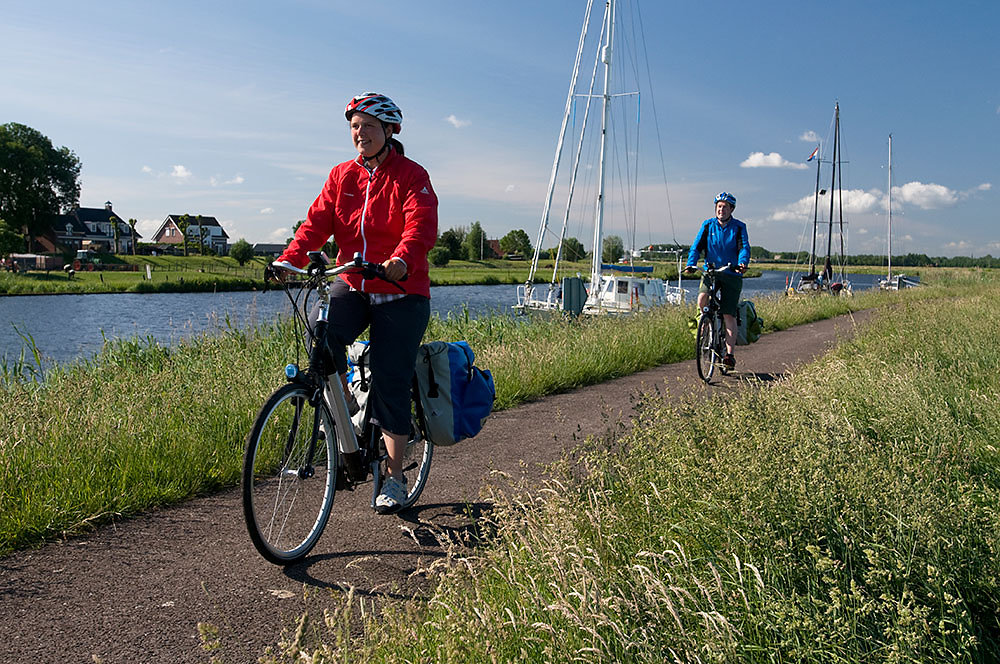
749,326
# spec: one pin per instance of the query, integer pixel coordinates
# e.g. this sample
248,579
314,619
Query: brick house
89,228
215,236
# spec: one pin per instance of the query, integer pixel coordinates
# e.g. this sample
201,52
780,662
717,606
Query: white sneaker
392,496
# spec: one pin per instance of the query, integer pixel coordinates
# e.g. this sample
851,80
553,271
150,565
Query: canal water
67,327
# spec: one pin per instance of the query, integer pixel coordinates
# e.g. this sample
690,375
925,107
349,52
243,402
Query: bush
439,256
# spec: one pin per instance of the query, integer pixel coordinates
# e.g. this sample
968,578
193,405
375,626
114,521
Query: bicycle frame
325,380
319,374
716,346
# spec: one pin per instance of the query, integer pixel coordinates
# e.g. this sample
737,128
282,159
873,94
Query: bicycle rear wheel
705,347
289,475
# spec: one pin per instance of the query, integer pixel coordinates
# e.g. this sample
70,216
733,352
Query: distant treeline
667,251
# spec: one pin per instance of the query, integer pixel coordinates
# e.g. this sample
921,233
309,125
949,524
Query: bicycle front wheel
705,348
289,475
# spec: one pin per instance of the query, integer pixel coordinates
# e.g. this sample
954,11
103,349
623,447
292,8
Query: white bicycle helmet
378,106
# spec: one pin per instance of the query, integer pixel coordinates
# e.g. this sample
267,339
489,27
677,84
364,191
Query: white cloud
147,169
267,210
928,196
809,137
180,172
214,181
986,186
456,123
770,160
856,201
509,188
279,235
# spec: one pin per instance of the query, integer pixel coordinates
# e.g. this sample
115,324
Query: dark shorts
730,287
395,330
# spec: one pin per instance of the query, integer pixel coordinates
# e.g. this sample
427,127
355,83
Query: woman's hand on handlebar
740,269
690,269
277,271
394,269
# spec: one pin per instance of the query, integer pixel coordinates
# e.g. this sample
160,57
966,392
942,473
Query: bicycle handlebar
319,261
711,269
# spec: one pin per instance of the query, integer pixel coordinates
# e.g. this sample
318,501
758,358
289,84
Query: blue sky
235,110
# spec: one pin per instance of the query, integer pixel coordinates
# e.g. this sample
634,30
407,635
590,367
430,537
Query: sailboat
622,288
893,282
826,281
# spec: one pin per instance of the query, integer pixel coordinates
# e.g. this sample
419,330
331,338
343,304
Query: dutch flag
813,155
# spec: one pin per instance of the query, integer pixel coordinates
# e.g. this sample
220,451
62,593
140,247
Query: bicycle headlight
291,371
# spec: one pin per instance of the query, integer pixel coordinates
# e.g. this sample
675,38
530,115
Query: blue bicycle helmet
727,197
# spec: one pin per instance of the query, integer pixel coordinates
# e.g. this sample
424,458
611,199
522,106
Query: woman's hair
396,146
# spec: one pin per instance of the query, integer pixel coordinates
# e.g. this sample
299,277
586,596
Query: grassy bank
178,274
849,514
141,426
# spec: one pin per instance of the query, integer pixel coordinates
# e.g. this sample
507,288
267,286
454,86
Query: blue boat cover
627,268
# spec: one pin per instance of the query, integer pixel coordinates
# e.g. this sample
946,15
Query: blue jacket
721,245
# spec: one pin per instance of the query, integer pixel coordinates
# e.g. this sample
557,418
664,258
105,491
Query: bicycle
710,341
304,445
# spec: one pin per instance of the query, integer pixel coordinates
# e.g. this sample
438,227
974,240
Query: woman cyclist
382,205
724,241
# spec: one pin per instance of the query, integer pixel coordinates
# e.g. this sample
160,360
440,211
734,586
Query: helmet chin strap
375,157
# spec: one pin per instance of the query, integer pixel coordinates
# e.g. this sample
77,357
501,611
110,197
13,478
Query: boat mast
827,267
555,163
890,208
812,252
606,53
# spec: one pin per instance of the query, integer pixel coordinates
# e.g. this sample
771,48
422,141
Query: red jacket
389,212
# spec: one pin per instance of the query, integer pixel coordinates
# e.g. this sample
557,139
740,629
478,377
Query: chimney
107,206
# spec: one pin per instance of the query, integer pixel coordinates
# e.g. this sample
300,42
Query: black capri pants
395,331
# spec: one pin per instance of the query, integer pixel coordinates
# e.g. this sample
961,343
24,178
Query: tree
241,251
475,245
201,237
114,233
183,222
37,180
516,242
131,225
10,240
572,250
452,239
613,249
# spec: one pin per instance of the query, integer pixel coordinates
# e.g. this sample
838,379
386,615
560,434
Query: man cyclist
723,240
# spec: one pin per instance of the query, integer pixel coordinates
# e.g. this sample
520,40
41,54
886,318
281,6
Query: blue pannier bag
456,396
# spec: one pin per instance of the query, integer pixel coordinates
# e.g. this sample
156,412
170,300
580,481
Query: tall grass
849,514
140,425
137,426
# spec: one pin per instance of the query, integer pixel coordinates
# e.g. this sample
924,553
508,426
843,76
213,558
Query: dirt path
136,591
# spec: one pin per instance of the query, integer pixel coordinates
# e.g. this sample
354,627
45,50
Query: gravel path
135,591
